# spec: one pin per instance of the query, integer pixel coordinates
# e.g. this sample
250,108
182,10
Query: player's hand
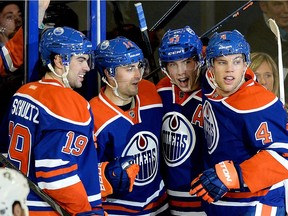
120,175
214,183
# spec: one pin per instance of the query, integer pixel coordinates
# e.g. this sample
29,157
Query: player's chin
78,85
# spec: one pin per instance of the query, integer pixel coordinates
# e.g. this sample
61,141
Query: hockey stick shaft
143,26
274,28
236,13
175,6
7,163
145,36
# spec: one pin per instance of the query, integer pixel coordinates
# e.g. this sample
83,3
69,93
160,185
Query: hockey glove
214,183
118,176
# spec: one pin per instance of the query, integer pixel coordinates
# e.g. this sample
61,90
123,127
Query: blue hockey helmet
116,52
64,41
179,44
227,43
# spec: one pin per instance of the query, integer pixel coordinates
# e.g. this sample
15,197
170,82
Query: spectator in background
11,52
262,39
259,35
11,76
266,71
17,209
60,14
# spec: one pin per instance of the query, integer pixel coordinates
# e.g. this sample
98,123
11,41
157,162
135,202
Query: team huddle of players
208,139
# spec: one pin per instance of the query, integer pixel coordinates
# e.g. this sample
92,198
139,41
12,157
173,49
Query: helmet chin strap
64,75
115,89
167,74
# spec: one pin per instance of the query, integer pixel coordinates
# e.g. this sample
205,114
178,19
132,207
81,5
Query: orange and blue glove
118,176
214,183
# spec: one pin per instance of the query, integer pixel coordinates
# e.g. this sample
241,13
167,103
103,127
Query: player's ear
106,72
58,61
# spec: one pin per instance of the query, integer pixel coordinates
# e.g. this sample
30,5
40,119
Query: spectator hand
42,7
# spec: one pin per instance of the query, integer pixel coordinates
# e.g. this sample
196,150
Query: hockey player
246,138
14,190
51,128
127,123
181,58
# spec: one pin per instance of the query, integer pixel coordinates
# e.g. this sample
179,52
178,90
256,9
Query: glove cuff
240,177
105,186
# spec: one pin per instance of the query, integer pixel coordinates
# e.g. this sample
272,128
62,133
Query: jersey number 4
263,133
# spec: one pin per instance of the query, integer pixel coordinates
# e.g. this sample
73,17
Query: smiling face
78,68
184,73
127,78
228,73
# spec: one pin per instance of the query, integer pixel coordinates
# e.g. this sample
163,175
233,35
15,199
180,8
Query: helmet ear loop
210,65
65,74
197,68
114,89
164,70
110,74
167,74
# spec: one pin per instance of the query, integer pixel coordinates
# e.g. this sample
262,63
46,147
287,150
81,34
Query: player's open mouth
228,79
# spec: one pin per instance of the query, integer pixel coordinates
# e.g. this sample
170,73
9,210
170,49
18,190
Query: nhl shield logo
178,138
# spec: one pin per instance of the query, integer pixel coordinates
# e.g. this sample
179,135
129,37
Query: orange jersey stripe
58,105
158,202
119,208
148,207
77,196
56,172
266,210
185,204
42,213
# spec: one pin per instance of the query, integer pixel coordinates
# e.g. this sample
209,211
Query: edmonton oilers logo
178,138
210,127
144,147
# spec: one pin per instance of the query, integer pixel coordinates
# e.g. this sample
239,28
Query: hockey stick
145,36
7,163
274,28
177,5
236,13
143,26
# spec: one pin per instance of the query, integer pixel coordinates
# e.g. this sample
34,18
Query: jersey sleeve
267,133
12,54
57,172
